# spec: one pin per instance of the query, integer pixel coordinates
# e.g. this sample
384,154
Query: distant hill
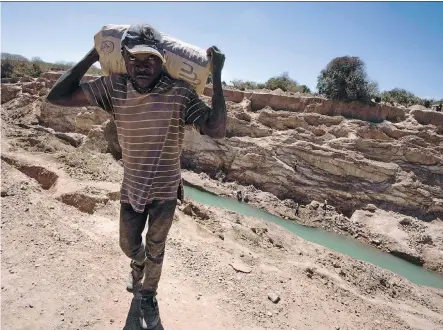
15,66
7,56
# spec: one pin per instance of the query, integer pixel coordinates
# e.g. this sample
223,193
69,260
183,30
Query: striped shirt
150,130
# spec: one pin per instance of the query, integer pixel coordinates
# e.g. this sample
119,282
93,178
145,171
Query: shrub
306,89
243,85
7,69
400,96
284,82
345,78
15,66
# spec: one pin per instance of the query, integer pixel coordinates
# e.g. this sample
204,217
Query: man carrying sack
150,109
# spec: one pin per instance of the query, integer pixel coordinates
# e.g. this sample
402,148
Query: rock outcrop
305,156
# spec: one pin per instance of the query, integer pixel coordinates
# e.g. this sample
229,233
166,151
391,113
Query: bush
7,69
16,66
306,89
427,103
345,78
243,85
285,83
400,96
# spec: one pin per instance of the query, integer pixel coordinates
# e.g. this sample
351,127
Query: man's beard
143,89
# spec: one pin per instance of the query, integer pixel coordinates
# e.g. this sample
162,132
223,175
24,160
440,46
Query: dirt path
62,267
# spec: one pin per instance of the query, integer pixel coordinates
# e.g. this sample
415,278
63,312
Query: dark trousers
132,224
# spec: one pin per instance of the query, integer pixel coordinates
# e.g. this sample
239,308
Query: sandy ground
62,267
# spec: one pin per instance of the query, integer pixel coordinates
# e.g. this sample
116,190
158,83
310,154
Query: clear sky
401,43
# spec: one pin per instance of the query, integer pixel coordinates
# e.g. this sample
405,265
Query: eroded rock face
395,165
429,117
70,119
10,92
356,110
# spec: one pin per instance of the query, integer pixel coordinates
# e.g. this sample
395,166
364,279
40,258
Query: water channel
339,243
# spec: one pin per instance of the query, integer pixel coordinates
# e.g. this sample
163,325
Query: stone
274,297
71,119
26,79
188,210
33,87
241,267
370,208
428,117
74,139
376,241
314,205
405,222
9,92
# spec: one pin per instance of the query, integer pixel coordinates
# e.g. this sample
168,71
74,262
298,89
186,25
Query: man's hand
217,59
215,124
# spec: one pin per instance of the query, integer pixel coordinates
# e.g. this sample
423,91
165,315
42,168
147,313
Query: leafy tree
36,70
7,69
306,89
427,103
345,78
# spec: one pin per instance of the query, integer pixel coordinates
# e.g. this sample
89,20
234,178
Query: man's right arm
67,90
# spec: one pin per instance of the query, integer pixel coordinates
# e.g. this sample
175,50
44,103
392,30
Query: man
150,110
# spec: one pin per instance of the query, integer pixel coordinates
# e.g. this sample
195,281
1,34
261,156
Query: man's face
144,69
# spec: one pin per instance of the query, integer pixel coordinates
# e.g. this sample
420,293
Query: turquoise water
332,241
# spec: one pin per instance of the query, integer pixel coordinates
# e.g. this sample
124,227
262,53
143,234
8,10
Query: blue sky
401,43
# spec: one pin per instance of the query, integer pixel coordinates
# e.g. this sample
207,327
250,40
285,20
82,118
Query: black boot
149,313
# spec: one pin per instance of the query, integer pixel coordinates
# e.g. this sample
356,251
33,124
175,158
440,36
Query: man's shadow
132,320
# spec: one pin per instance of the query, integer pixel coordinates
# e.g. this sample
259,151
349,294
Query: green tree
7,69
345,78
36,70
427,103
306,89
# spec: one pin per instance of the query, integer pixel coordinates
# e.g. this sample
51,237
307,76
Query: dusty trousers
132,224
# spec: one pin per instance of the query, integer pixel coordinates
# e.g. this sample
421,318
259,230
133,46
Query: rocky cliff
315,149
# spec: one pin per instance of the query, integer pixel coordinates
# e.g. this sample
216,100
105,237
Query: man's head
143,54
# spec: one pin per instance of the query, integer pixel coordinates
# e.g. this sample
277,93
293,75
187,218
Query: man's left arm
210,120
